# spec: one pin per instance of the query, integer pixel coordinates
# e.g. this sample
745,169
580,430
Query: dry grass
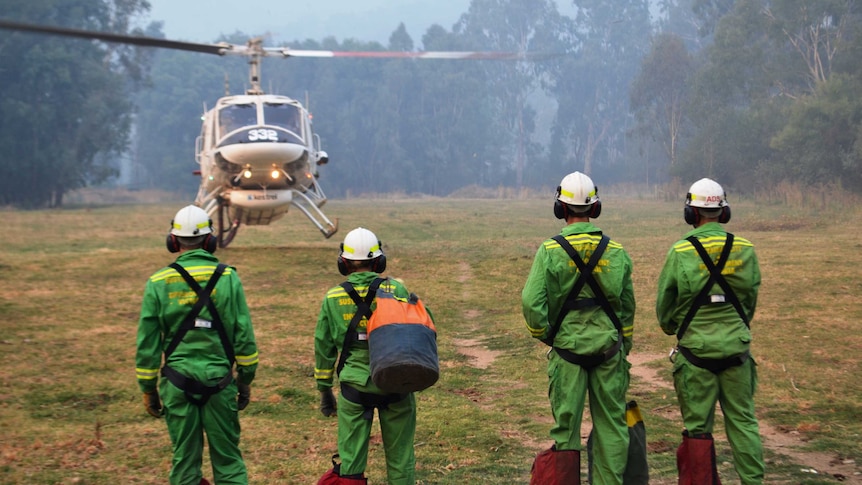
71,282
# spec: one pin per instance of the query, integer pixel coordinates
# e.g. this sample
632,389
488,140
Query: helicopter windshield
283,115
235,116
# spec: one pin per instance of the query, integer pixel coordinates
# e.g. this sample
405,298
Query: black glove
243,395
327,402
152,404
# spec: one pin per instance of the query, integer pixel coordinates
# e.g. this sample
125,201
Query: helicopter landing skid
312,211
226,235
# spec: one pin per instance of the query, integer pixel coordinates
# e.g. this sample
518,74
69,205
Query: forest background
756,94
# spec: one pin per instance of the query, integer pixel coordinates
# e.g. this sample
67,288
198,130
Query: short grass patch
71,282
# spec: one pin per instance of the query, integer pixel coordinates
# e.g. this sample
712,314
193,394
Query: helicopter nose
261,155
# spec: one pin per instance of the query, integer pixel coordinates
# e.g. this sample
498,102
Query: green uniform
397,420
201,357
585,331
716,332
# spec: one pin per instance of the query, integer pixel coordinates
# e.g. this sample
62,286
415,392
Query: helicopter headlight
275,174
247,173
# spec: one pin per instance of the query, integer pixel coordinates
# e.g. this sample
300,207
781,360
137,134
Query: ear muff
724,218
690,215
596,209
378,264
561,210
342,266
172,244
209,244
559,207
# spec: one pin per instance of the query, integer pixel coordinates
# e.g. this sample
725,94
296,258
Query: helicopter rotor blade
254,49
473,55
218,49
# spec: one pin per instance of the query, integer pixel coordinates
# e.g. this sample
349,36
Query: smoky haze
370,20
631,95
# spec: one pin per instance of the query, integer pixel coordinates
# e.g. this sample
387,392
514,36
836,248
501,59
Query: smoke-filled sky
367,20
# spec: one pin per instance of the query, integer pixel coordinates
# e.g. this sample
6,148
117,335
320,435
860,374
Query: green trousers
607,384
397,427
187,423
697,391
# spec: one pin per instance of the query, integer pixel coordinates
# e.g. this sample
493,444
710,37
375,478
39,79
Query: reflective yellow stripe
338,291
146,374
628,331
580,239
195,271
323,374
535,332
711,242
247,359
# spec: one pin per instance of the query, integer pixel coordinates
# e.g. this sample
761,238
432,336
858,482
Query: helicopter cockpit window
283,115
236,116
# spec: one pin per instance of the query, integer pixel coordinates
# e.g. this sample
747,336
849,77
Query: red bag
695,460
553,467
333,478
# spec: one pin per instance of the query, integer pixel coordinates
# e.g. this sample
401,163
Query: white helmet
191,221
578,190
706,194
360,244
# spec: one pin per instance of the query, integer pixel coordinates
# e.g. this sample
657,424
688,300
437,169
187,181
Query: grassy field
71,282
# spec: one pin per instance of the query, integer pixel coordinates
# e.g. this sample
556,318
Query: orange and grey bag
402,344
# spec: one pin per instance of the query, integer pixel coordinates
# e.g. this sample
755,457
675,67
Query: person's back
715,331
707,294
339,309
579,300
341,350
194,313
201,355
588,330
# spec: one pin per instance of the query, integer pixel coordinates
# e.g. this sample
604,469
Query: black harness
585,277
188,385
715,277
363,309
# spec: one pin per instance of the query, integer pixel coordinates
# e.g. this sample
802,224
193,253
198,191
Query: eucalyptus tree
709,12
456,131
65,113
678,17
520,26
769,64
659,96
592,88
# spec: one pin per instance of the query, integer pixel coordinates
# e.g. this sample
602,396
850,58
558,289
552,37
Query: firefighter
579,300
707,293
341,349
194,313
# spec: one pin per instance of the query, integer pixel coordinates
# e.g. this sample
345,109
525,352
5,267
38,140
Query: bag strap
584,278
715,277
203,300
363,309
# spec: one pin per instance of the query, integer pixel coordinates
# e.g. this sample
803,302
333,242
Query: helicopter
257,153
